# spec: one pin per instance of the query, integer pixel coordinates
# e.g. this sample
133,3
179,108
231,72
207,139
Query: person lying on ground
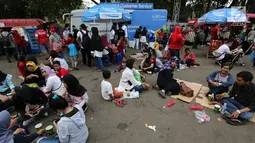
189,58
128,81
71,127
76,93
53,82
165,81
33,74
28,103
15,135
223,53
60,72
220,81
6,85
241,101
122,65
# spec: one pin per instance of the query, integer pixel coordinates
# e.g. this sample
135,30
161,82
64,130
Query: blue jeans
100,64
139,88
45,48
217,90
233,105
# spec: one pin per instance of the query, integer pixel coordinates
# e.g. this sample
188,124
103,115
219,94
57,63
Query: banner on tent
137,6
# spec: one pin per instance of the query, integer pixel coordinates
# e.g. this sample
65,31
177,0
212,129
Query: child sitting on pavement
107,90
189,58
122,65
60,72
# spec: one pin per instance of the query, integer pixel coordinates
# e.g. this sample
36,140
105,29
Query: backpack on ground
5,40
85,40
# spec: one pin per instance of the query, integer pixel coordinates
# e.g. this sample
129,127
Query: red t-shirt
42,36
121,46
190,56
214,32
21,67
62,72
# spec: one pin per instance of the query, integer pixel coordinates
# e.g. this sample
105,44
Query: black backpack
5,40
85,40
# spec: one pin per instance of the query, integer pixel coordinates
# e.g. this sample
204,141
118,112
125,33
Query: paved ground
176,124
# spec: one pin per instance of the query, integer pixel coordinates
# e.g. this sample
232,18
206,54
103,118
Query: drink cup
49,130
38,126
217,108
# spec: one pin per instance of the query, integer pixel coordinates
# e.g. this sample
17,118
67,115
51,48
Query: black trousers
11,52
86,55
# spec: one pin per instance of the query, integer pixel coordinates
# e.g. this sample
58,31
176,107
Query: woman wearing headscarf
29,102
6,85
176,42
33,75
97,46
53,82
77,94
56,43
19,135
167,84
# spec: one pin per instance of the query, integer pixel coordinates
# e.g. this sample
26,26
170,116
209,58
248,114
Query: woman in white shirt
53,82
128,81
112,34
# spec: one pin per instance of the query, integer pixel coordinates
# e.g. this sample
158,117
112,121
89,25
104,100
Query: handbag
185,90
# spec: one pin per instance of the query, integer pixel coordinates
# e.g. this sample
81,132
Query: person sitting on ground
60,72
145,65
71,127
156,64
28,103
122,65
107,90
21,66
17,135
76,93
241,101
222,54
165,81
6,85
189,58
54,56
128,81
53,82
33,75
220,81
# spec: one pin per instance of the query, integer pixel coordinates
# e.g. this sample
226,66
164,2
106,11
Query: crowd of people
50,86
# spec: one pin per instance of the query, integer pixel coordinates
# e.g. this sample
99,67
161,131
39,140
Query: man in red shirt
60,72
43,38
215,32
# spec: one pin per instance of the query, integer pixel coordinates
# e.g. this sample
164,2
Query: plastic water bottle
224,108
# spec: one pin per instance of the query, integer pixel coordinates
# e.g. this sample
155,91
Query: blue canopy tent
106,13
225,15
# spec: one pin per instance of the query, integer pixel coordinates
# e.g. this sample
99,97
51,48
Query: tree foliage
37,8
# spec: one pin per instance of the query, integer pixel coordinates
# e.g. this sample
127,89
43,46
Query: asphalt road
110,124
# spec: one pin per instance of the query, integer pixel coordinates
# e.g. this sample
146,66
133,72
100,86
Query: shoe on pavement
162,94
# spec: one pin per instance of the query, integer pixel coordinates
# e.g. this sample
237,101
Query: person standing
120,32
56,43
66,32
43,38
6,38
113,33
143,39
84,40
137,37
215,32
176,41
124,27
97,47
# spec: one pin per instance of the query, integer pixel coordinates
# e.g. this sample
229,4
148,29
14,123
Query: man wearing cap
85,51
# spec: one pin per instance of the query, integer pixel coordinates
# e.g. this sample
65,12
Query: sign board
134,6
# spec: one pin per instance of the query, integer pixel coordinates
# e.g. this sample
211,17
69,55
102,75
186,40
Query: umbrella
106,13
223,15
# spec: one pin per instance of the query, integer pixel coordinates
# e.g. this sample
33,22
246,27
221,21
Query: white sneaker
27,122
178,70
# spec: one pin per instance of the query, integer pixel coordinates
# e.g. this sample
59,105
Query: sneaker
162,94
86,107
76,69
27,122
46,114
236,122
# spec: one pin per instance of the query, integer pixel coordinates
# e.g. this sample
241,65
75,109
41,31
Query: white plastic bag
201,116
133,95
